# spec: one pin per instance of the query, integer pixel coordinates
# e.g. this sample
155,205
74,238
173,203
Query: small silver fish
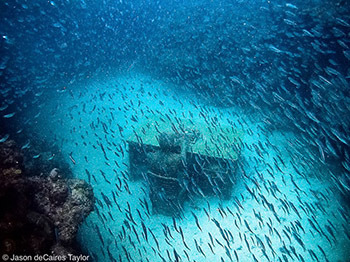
37,156
4,107
2,140
27,145
9,115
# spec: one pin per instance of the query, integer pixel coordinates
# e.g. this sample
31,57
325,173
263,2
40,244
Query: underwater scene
157,130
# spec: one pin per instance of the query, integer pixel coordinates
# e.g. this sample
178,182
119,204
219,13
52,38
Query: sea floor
281,209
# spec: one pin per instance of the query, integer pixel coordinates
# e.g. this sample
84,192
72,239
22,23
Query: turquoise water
77,78
310,191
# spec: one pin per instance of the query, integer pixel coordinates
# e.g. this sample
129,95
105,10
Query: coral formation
49,157
39,214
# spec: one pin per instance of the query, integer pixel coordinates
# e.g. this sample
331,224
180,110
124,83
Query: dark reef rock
11,159
50,156
66,203
39,214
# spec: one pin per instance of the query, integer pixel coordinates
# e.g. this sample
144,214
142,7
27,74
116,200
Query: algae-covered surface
214,140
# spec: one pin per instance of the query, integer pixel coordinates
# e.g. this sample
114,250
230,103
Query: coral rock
39,214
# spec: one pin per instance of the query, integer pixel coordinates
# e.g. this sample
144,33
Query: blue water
74,72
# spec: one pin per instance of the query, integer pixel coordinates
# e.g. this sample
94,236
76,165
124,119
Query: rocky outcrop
39,214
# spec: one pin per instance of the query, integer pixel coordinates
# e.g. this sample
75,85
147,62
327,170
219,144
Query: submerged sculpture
167,169
181,164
